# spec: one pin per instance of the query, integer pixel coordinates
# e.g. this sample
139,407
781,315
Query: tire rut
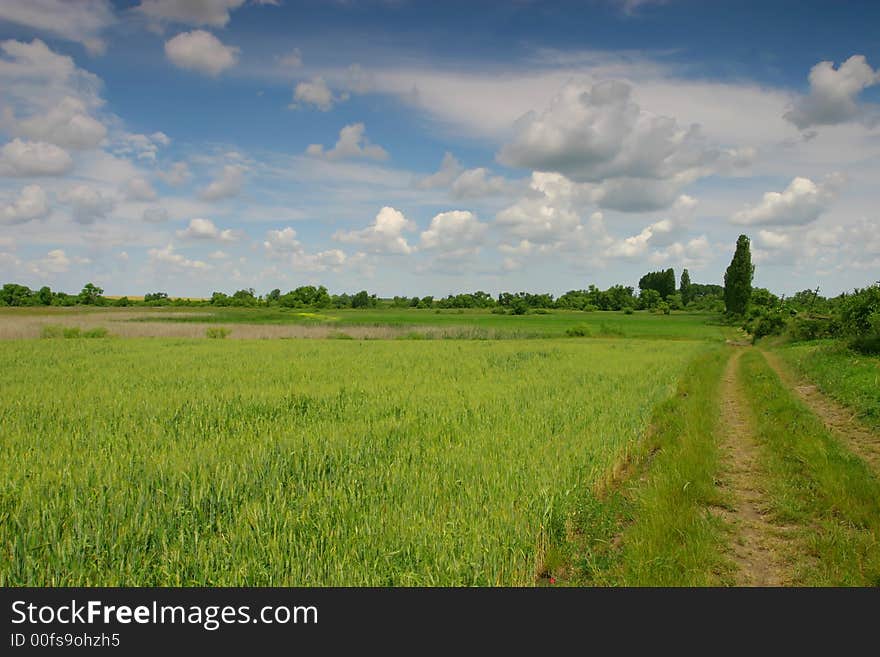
840,420
758,548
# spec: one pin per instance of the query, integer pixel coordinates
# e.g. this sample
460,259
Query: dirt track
758,547
840,420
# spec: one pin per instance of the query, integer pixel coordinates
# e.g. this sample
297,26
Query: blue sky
426,148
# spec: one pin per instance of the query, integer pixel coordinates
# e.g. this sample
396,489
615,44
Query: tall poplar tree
738,278
685,287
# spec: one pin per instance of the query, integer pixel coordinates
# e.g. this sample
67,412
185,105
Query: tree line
616,297
805,315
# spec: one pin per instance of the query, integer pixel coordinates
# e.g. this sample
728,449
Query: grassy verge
816,484
655,529
849,377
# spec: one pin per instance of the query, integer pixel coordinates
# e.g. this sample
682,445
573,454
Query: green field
849,377
322,462
473,323
558,448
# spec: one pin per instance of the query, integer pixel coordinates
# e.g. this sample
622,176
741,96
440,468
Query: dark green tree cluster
661,281
13,294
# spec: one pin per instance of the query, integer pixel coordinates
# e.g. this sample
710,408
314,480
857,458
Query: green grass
815,483
688,326
849,377
329,462
656,531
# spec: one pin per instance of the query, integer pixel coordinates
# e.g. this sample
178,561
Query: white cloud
591,134
449,170
631,7
55,262
143,147
549,213
477,183
33,158
292,59
800,203
204,229
202,52
81,21
637,194
139,189
284,244
88,204
214,13
316,93
695,253
226,185
155,215
35,79
329,260
168,259
351,144
30,204
218,255
177,175
68,124
773,239
384,235
454,234
282,241
833,96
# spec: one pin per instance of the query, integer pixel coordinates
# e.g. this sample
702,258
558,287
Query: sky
414,148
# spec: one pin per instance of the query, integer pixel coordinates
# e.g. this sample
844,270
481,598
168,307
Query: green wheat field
311,462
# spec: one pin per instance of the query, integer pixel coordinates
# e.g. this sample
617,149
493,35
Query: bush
217,332
499,310
860,315
52,331
868,345
609,330
99,332
628,311
72,332
769,324
813,328
579,332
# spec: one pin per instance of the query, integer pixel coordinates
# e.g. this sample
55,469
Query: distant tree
685,287
45,295
14,294
414,302
360,300
274,295
661,281
619,297
519,306
219,299
156,297
122,301
649,299
738,278
764,298
91,295
341,300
